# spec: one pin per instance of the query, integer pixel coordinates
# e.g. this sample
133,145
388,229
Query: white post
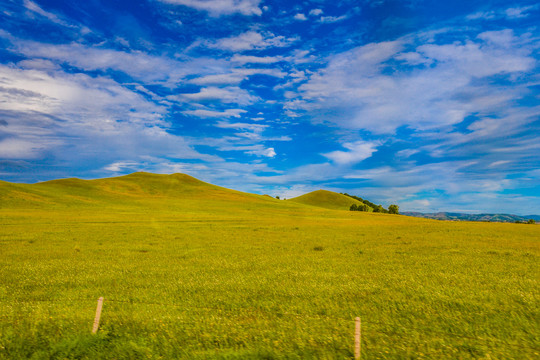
357,335
98,315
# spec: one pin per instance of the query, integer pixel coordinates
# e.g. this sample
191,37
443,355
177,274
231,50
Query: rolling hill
137,188
326,199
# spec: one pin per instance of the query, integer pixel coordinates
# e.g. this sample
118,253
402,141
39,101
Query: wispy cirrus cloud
511,13
218,8
520,12
137,64
357,88
234,75
251,40
205,113
332,19
42,112
229,94
36,9
250,59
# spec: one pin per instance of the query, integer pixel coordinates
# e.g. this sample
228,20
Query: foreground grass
263,279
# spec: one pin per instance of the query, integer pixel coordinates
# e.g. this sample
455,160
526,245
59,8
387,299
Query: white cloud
119,166
32,6
486,15
38,64
221,7
332,19
251,40
74,96
499,163
229,94
219,79
244,59
139,65
256,149
315,12
498,50
156,165
204,113
300,17
358,151
519,12
255,71
106,120
247,126
261,151
24,147
361,89
413,58
510,13
136,64
235,76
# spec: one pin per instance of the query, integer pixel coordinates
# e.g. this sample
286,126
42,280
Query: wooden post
357,337
98,315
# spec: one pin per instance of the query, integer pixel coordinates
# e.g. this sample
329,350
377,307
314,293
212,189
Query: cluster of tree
531,221
361,207
392,209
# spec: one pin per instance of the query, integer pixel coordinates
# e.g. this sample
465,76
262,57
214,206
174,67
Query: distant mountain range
472,217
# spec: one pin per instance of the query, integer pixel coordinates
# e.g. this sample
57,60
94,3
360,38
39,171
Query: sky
431,105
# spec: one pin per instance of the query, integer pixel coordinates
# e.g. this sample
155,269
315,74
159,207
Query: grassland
191,270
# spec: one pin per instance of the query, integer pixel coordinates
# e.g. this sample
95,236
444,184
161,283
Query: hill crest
326,199
139,187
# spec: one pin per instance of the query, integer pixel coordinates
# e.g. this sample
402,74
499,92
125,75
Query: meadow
190,270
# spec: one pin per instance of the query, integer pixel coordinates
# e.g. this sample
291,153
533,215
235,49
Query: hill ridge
326,199
138,186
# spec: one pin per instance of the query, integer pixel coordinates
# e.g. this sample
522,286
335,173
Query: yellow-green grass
328,200
191,270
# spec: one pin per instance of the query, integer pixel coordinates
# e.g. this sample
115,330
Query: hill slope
326,199
142,189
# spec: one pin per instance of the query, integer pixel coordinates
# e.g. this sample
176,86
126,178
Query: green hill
326,199
137,189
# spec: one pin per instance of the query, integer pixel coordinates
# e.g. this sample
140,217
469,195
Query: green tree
353,207
531,221
393,209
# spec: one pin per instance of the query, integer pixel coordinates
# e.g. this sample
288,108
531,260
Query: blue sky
432,105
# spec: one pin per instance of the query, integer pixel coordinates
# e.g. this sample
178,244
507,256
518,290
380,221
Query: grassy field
190,270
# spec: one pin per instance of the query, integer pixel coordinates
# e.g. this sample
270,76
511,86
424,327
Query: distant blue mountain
473,217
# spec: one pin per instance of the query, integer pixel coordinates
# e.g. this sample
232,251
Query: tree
353,207
531,221
393,209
